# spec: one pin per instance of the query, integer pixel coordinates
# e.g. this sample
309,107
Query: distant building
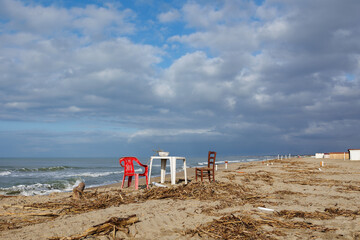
319,155
354,154
326,155
339,155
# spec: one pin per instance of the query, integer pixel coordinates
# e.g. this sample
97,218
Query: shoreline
282,199
43,178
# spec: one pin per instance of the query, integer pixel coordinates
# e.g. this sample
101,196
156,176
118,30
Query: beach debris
109,227
43,211
228,192
349,188
260,176
93,200
158,184
342,212
78,191
287,192
246,227
223,194
266,209
289,214
43,214
230,227
231,177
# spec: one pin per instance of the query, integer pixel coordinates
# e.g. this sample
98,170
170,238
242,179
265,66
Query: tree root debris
110,226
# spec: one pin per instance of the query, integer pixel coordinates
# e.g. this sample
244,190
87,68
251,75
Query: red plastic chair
128,164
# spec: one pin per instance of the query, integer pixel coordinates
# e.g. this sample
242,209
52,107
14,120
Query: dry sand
308,203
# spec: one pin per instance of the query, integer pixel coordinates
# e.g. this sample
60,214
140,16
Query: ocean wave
63,174
223,162
44,169
5,173
41,188
95,174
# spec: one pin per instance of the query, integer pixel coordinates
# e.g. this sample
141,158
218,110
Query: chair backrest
128,164
211,159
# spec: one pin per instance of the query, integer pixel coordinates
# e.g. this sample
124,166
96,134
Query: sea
42,176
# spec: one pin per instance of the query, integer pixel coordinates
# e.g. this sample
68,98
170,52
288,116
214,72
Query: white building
354,154
319,155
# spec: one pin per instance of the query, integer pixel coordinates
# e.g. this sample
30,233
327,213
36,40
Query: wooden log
109,226
45,214
78,191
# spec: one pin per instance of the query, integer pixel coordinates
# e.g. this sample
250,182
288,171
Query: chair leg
209,176
122,184
129,180
136,181
195,174
202,176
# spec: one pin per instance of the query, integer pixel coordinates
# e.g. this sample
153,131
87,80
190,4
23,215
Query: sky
240,77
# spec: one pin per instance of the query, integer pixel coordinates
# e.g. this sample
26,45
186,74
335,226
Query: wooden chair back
211,159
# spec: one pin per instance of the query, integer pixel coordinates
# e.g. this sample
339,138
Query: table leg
151,161
163,170
185,171
173,170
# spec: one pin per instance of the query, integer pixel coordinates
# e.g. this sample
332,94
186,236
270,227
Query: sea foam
5,173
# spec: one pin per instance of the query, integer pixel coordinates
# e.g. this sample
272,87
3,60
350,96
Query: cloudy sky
113,78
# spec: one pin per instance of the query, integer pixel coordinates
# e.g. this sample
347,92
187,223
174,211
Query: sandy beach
293,198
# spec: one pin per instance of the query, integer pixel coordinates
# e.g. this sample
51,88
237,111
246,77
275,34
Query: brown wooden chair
209,170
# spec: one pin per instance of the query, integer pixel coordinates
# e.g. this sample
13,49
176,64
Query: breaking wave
41,188
44,169
5,173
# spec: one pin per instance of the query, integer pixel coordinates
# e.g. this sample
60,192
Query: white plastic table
172,167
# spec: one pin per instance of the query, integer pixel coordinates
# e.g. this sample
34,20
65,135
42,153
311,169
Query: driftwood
45,214
110,226
78,192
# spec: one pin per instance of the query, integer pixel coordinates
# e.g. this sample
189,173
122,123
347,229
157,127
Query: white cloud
276,29
192,78
164,90
74,109
169,16
17,105
150,133
233,39
201,16
54,21
97,20
34,18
